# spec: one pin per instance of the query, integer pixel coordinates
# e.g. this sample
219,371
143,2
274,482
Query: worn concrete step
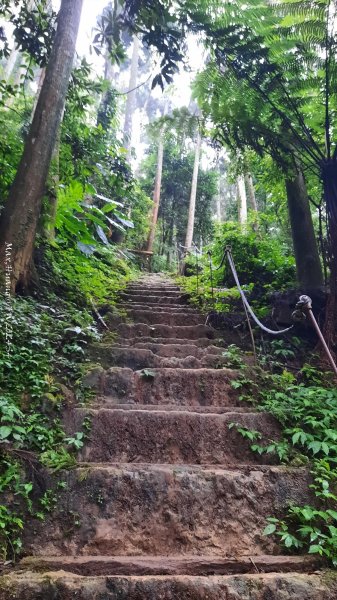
260,586
172,437
152,317
180,308
141,358
170,565
132,510
149,298
190,332
184,387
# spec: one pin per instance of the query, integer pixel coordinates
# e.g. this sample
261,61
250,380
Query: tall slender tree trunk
10,64
18,222
38,92
218,197
242,200
156,193
329,178
250,191
308,265
193,196
131,96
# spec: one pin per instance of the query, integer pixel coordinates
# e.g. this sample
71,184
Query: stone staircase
167,502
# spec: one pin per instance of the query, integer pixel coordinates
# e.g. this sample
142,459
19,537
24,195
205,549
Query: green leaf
271,528
5,432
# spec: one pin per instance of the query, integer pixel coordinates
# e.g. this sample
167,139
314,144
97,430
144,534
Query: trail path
167,503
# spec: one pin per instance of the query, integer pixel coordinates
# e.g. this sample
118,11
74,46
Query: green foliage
260,259
263,264
45,352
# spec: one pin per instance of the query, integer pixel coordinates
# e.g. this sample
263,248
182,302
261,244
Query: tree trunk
329,178
218,198
131,96
156,193
242,200
103,116
20,216
10,64
53,186
308,265
250,191
38,92
193,196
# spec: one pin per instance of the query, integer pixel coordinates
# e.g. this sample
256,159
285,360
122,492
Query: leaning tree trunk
193,196
308,264
131,96
156,193
242,200
20,216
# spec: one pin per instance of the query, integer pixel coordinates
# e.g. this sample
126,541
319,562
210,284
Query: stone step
141,358
107,402
155,288
172,437
192,387
190,332
202,342
179,308
260,586
176,350
147,298
152,317
170,565
155,292
132,510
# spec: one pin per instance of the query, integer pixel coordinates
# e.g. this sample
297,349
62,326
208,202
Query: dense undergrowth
263,263
41,366
304,401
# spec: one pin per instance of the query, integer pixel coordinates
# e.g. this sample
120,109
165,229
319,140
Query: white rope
246,303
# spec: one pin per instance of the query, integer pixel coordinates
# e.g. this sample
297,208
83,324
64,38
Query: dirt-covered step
170,565
152,317
170,437
260,586
141,358
188,332
183,387
132,510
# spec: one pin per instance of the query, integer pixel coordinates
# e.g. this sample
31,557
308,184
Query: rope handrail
229,256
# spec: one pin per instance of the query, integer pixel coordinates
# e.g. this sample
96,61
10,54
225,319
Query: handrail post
305,305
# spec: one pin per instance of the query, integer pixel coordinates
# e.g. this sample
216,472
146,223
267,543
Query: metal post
305,305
